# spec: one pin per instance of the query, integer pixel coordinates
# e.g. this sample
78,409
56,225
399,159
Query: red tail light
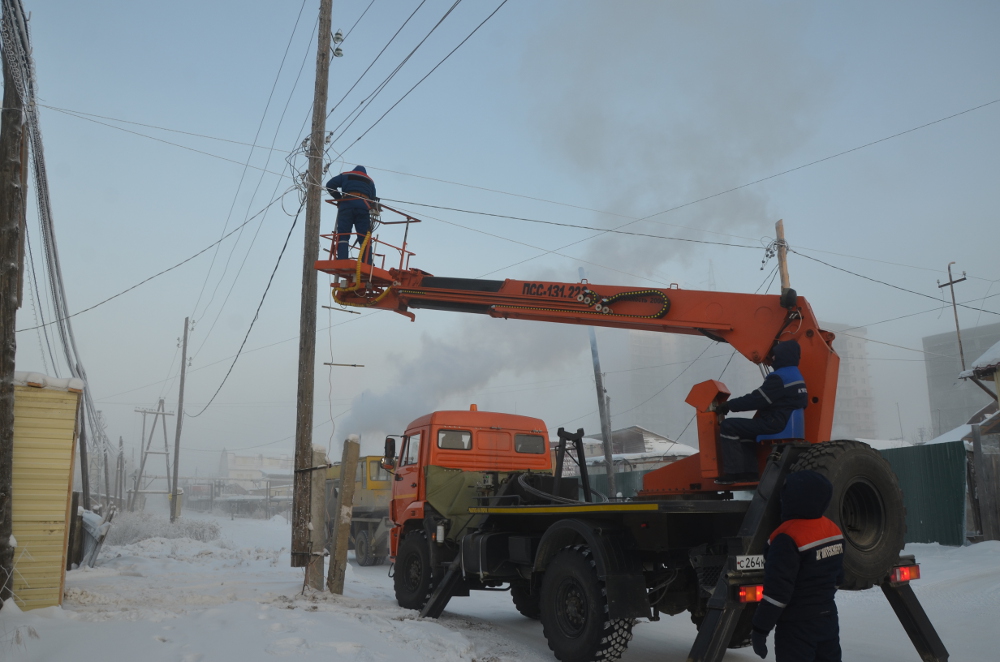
904,573
752,593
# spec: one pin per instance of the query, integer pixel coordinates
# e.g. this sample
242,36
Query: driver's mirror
389,457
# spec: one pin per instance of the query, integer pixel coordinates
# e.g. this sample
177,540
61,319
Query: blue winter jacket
783,391
351,182
804,561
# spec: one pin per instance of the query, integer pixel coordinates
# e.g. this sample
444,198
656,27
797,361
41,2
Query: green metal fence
933,479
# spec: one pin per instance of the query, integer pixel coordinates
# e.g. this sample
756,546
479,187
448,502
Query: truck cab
440,451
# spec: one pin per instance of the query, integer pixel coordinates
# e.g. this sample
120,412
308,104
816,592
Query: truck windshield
529,443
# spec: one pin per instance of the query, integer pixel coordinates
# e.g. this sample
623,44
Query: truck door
405,485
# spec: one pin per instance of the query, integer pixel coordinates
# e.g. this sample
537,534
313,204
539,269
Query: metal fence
933,479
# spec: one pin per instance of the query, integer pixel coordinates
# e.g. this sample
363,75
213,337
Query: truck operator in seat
782,392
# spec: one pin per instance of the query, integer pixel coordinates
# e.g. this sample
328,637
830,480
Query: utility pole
603,410
954,306
11,205
301,497
174,508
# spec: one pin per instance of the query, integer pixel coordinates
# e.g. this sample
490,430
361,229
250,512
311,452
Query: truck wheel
414,578
867,505
363,549
574,611
526,602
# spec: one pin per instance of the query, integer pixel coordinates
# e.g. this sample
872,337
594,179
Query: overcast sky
592,113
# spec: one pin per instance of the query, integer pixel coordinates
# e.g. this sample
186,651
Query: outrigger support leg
914,620
764,514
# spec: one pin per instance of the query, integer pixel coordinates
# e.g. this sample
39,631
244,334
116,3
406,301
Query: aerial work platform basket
367,271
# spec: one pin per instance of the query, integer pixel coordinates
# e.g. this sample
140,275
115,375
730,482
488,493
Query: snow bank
129,528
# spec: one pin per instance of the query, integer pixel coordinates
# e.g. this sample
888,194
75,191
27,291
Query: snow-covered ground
236,598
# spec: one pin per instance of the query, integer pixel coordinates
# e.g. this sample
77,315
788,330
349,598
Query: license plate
753,562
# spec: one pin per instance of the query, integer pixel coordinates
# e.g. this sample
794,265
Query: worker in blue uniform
354,192
782,392
803,566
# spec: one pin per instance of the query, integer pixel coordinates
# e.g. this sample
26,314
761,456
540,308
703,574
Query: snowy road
237,599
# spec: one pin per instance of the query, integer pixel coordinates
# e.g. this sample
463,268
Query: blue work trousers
361,221
810,640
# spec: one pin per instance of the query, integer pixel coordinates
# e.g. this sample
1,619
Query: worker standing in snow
803,567
782,392
355,200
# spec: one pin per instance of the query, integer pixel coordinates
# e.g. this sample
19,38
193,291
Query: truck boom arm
751,323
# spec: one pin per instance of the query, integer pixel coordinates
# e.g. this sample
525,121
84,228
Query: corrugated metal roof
44,436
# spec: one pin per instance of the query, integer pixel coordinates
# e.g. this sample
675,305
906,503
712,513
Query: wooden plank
985,490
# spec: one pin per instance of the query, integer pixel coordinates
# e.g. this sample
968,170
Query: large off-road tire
414,577
526,602
867,505
574,611
363,553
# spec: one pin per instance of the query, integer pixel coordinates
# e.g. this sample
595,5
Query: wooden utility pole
342,516
11,206
954,306
174,508
301,498
317,530
779,231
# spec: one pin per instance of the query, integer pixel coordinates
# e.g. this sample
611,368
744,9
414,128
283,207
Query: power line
255,316
502,3
381,86
365,72
359,20
882,282
156,275
253,196
239,186
570,225
764,179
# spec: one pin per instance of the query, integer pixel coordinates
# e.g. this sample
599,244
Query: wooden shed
45,433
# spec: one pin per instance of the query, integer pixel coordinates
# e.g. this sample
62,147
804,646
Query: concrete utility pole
603,409
11,124
174,508
954,306
301,549
779,231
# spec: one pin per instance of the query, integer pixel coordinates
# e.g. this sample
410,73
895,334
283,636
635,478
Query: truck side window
412,453
529,443
455,440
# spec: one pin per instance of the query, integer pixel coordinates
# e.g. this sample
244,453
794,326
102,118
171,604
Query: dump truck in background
370,523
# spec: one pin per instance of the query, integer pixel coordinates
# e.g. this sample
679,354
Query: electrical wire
239,186
882,282
372,63
450,53
367,101
156,275
254,320
569,225
253,196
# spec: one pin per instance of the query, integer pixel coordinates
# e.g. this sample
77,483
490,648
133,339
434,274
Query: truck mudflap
617,566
